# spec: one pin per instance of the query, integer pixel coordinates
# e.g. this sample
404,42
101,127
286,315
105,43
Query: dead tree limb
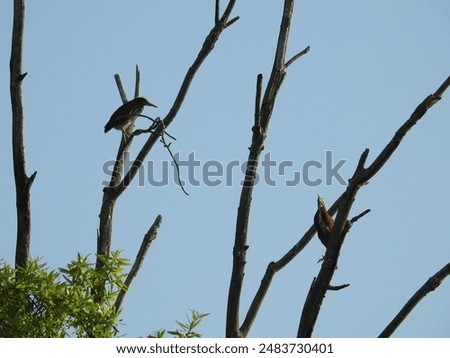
263,113
207,47
149,237
276,266
432,283
106,212
360,178
23,182
322,283
118,183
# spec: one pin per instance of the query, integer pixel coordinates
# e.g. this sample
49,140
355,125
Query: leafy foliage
38,302
184,330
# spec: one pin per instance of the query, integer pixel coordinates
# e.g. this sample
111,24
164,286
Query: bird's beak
151,105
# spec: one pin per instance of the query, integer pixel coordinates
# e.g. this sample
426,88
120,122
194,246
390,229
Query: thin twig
152,129
297,56
153,126
338,288
359,216
232,21
167,146
127,141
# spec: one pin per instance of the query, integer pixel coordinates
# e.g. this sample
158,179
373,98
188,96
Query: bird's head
143,102
320,203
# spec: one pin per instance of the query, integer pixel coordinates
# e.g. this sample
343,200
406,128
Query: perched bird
323,222
126,113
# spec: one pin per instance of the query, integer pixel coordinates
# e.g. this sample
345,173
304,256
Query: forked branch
263,113
361,176
205,50
275,266
118,184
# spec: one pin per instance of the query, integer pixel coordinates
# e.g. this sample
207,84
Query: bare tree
264,103
342,205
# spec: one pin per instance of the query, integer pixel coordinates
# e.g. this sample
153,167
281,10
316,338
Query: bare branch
137,83
271,270
357,217
274,267
124,142
258,299
362,161
127,141
418,113
22,76
155,123
149,237
442,88
296,57
22,181
227,12
258,101
119,84
232,21
108,202
217,12
341,225
206,49
117,187
338,288
167,146
319,287
432,283
262,117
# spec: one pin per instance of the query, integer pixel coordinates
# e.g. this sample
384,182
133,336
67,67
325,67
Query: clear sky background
370,65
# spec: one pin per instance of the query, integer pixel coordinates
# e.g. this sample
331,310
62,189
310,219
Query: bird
126,114
323,222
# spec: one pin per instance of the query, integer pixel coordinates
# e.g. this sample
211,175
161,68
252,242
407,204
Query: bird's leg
124,134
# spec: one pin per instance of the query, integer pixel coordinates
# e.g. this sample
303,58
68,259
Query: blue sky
369,66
